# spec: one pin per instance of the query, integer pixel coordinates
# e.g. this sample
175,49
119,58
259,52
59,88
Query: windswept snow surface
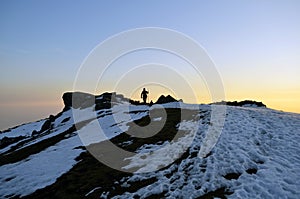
39,170
111,124
23,130
42,169
257,156
152,157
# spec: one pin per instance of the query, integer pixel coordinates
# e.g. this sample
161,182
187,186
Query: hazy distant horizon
28,114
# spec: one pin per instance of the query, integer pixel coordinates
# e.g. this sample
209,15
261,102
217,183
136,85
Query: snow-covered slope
255,155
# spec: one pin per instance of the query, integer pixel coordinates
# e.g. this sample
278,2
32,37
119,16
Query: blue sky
254,44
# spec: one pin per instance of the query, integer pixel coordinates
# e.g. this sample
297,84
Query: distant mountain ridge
244,103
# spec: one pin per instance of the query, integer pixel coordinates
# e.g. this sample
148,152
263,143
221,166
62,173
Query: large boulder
104,100
165,99
83,100
78,100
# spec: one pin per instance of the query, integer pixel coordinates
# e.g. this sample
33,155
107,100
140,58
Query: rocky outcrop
165,99
245,103
83,100
78,100
104,101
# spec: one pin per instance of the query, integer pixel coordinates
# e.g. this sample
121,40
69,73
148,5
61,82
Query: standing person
144,95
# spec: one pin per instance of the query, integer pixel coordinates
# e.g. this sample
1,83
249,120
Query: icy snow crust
42,169
23,130
39,170
154,153
260,146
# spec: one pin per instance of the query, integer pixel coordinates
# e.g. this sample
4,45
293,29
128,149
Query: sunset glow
255,46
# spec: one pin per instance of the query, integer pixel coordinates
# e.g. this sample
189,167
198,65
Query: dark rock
231,176
134,102
52,118
165,99
83,100
104,100
34,133
6,141
67,98
78,100
9,179
219,193
151,103
46,126
251,171
65,120
241,103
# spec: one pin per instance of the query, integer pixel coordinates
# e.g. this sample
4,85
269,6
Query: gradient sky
255,46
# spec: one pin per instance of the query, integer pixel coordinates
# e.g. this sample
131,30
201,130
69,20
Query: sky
255,46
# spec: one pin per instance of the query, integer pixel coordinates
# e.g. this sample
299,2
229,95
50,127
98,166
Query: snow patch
149,159
39,170
23,130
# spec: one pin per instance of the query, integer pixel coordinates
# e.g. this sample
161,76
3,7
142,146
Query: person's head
144,89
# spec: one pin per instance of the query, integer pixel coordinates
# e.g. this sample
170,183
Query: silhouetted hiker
144,95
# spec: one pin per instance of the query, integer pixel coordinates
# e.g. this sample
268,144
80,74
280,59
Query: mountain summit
108,146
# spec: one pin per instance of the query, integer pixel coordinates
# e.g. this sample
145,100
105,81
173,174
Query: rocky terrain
109,146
